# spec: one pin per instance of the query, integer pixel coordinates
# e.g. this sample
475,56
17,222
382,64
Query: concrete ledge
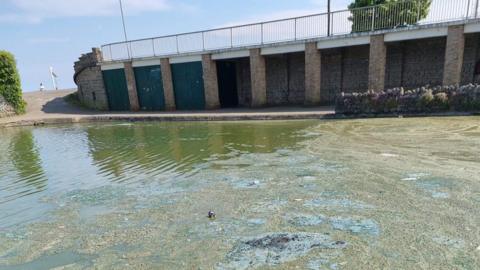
231,55
283,49
112,66
416,34
185,59
169,118
346,42
267,116
472,28
146,63
408,115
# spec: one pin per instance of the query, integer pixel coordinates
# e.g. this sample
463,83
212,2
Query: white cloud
33,11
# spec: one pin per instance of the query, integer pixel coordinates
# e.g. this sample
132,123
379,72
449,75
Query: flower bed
420,100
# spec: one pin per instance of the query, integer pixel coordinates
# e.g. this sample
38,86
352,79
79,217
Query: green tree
388,14
10,87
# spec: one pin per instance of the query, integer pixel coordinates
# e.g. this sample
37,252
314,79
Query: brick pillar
210,80
377,63
131,86
313,64
259,78
452,70
168,92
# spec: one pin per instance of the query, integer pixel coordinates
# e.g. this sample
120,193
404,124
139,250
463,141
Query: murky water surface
362,194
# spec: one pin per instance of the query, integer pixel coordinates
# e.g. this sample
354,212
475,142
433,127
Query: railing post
203,40
419,6
476,10
332,25
373,19
295,28
153,47
261,31
231,37
468,10
129,50
176,39
328,18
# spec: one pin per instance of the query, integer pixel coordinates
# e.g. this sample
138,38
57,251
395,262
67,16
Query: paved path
49,107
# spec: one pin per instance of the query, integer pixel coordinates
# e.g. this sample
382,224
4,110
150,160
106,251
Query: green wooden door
150,88
117,92
188,84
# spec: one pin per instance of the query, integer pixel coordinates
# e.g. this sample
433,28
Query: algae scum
363,194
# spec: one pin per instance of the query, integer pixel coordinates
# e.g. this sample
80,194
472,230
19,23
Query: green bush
391,13
10,87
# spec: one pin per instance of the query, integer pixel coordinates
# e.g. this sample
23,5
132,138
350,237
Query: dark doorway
227,84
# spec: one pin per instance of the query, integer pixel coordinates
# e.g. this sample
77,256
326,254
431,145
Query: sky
44,33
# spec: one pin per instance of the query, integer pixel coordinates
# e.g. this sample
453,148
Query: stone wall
470,58
89,79
343,70
355,68
244,85
415,63
285,79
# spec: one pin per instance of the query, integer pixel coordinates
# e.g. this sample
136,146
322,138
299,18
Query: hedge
10,87
419,100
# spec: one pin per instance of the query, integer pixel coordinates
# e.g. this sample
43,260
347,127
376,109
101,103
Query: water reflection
25,157
124,152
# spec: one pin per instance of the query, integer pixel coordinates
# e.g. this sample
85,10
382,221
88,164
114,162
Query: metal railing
394,15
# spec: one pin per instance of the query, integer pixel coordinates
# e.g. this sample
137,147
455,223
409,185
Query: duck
211,215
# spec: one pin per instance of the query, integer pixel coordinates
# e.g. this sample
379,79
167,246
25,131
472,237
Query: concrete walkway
49,107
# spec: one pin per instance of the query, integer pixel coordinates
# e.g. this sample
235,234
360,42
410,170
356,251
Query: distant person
42,87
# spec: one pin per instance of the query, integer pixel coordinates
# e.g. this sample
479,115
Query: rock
256,221
276,248
478,248
337,203
357,226
449,241
307,220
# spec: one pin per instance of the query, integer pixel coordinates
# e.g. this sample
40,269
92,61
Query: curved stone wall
89,79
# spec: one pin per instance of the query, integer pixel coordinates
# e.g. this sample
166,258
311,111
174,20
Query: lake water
353,194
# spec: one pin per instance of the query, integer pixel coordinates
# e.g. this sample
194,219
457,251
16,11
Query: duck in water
211,215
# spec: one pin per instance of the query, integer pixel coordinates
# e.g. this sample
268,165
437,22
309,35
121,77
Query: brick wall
415,63
355,68
394,66
343,70
286,79
470,57
89,80
331,78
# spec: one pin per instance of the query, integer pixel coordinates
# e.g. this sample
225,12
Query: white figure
42,87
